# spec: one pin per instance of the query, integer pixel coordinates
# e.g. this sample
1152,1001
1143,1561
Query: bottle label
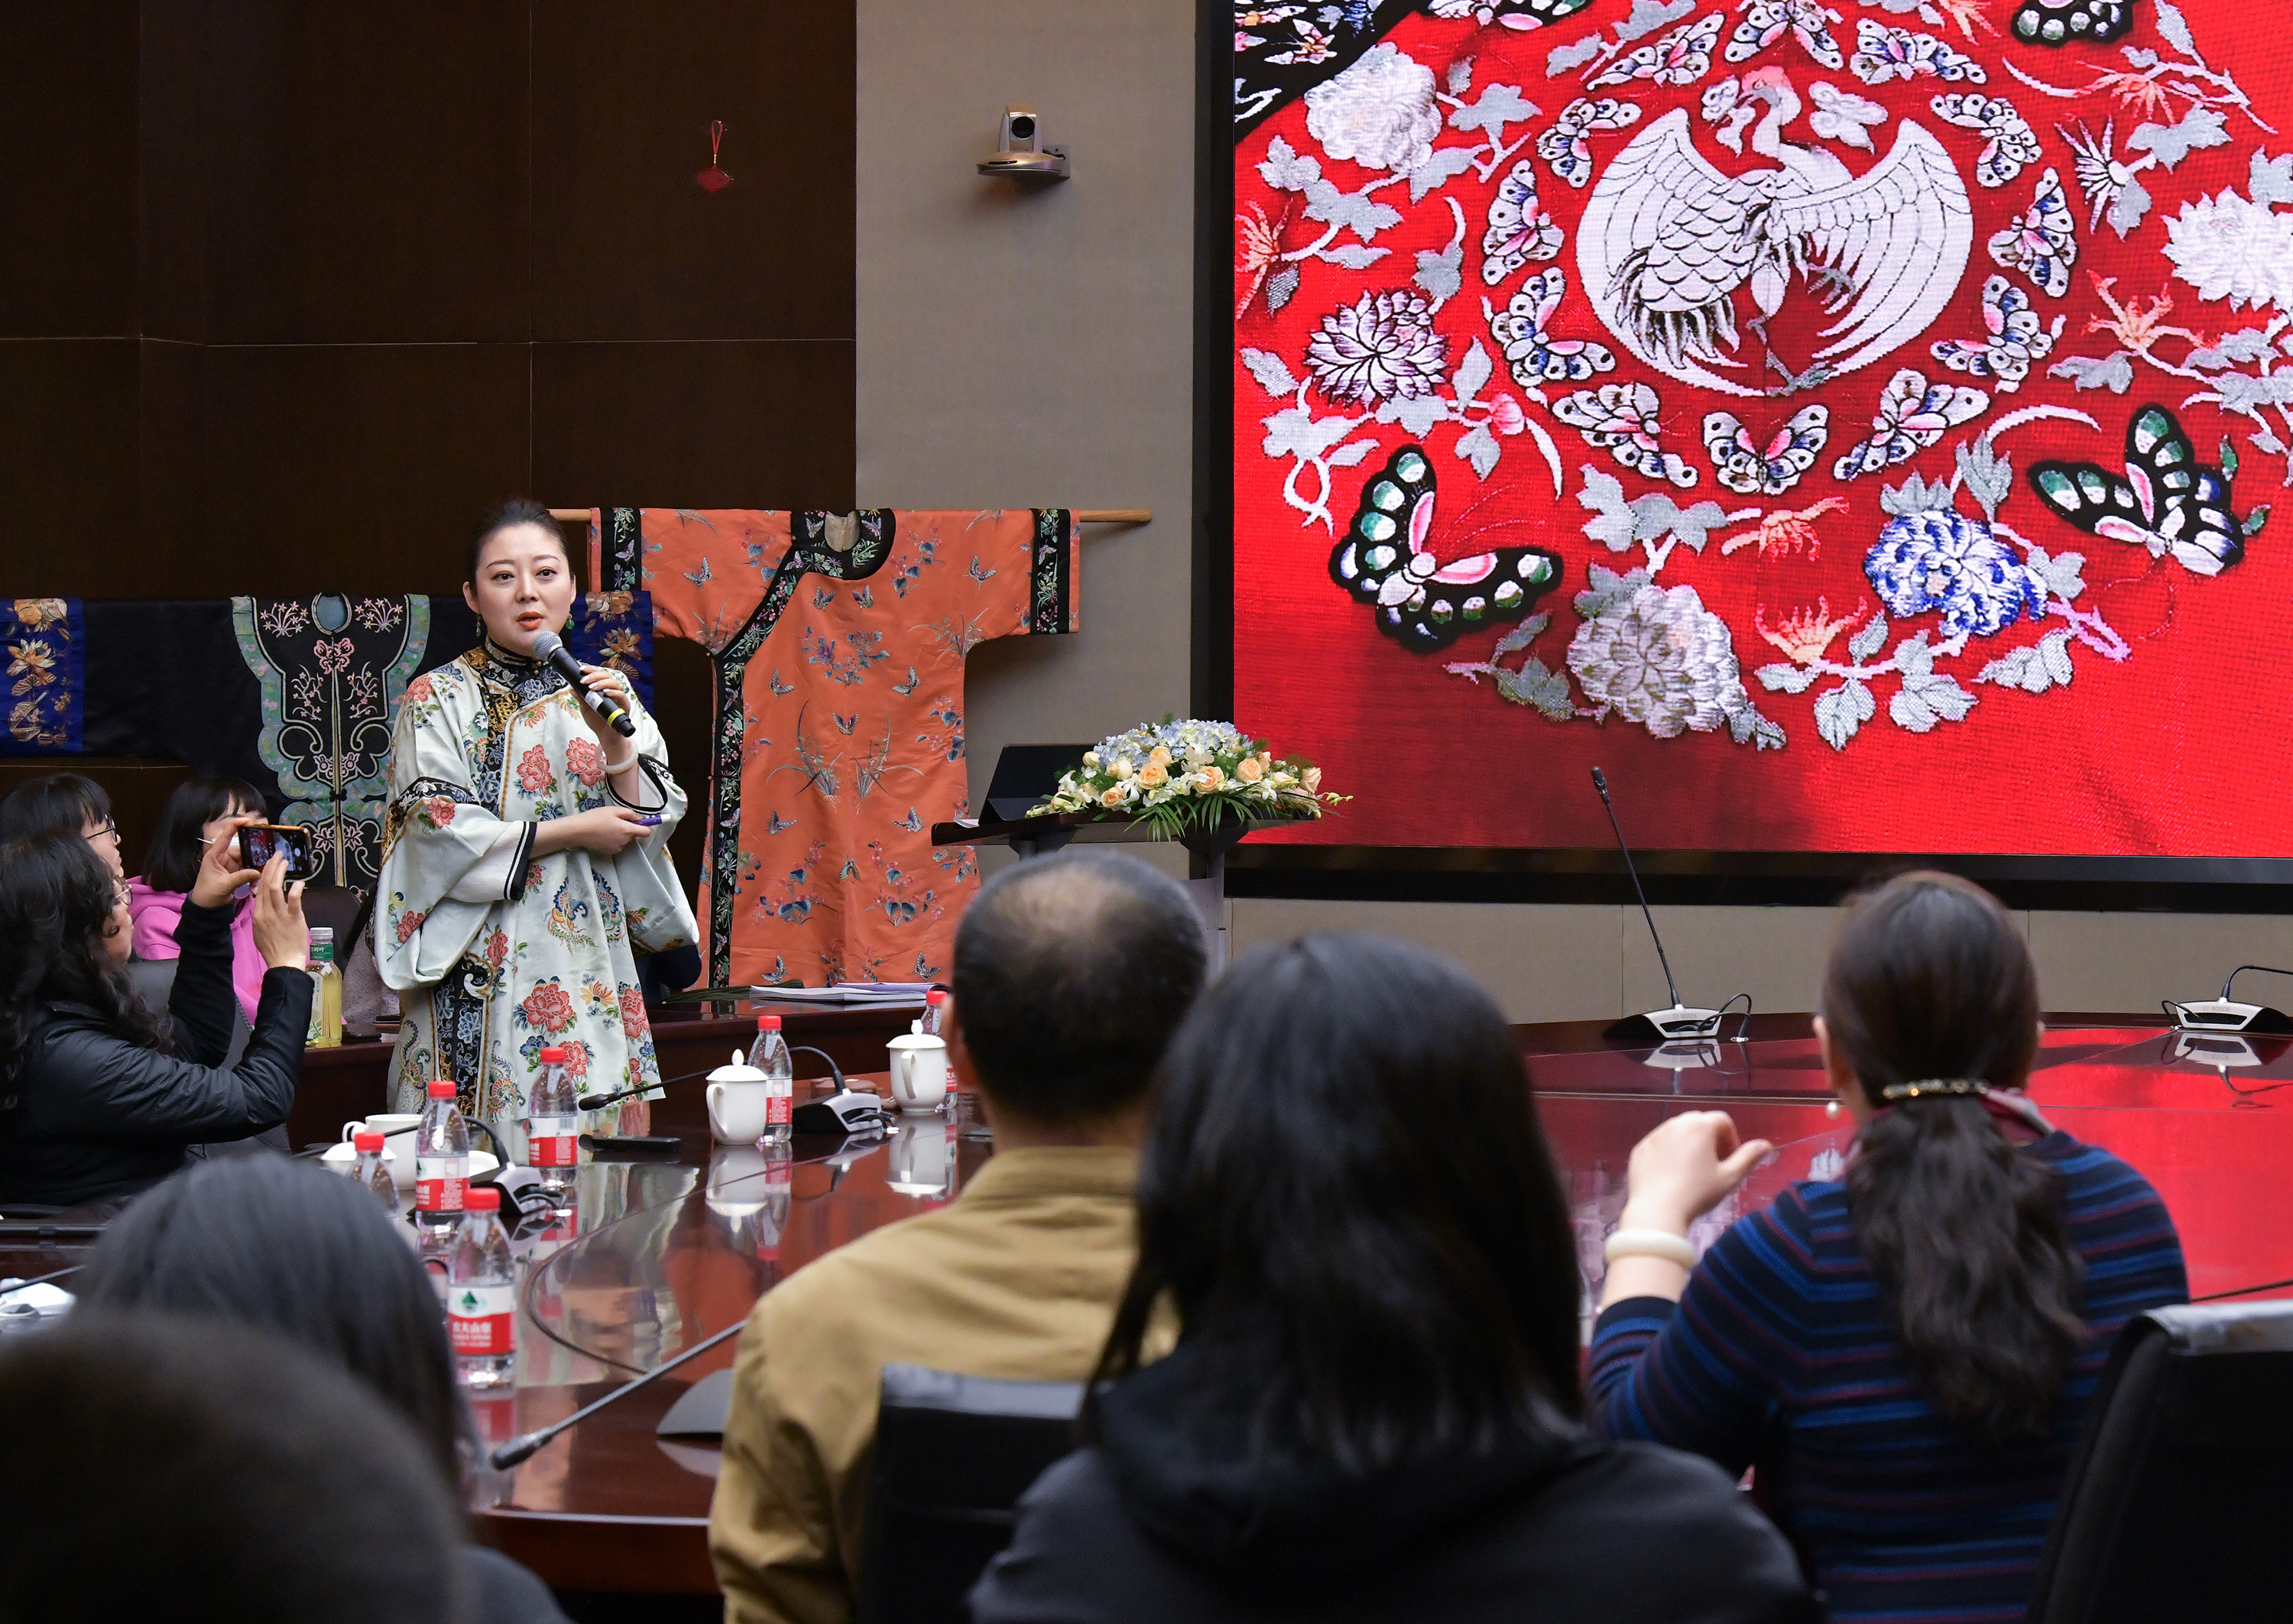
553,1142
779,1098
441,1183
481,1319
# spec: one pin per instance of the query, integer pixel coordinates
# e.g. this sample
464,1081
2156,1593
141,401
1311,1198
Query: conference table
662,1254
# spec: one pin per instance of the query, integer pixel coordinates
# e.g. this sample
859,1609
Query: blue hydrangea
1941,559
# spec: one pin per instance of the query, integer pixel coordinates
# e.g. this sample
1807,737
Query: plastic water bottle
554,1128
772,1217
441,1160
934,1021
771,1057
373,1172
481,1296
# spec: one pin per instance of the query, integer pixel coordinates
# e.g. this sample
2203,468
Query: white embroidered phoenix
1668,239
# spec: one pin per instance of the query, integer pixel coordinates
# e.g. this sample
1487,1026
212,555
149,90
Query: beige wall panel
1775,954
2126,962
1539,963
1026,345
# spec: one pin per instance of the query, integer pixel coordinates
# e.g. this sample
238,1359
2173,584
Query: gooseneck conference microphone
2222,1016
1659,1025
550,649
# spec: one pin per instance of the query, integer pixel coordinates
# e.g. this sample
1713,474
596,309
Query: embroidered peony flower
1942,560
1154,775
1383,344
1250,770
548,1007
577,1058
438,812
584,761
408,923
497,949
2230,247
1379,112
1662,659
634,1025
533,772
418,691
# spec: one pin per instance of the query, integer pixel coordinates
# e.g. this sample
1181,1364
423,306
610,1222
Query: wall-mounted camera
1019,149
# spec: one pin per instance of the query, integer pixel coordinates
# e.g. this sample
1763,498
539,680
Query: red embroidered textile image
1854,427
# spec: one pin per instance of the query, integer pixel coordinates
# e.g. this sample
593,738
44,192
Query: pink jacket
156,914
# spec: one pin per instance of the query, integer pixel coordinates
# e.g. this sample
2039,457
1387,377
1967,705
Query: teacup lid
917,1040
737,1073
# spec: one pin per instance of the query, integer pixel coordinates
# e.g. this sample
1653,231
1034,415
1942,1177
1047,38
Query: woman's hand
606,830
1684,1168
614,686
281,935
222,870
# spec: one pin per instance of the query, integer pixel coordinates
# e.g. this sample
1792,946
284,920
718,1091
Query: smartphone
257,842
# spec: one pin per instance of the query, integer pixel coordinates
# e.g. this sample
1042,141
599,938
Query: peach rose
1250,770
1210,778
1158,757
1312,780
1154,775
1113,796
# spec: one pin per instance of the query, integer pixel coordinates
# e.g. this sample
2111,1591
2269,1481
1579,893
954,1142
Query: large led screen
1856,427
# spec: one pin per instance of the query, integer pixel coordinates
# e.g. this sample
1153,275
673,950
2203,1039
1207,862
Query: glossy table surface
662,1254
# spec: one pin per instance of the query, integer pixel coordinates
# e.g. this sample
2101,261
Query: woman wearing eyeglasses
99,1096
63,801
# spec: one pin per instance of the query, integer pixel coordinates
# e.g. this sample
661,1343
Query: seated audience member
62,801
1071,973
1371,1411
170,1469
201,812
1909,1350
281,1246
98,1097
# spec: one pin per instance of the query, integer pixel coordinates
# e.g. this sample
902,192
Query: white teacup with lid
918,1071
740,1102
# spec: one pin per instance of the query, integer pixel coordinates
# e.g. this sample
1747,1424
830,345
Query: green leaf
2228,458
2255,520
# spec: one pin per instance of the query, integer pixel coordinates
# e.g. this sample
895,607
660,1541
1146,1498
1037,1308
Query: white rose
1122,769
1090,759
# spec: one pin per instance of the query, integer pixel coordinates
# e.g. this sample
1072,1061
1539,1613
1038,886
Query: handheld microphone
2222,1016
1659,1025
550,649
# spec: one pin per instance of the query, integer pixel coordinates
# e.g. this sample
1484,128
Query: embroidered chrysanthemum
2230,247
1662,659
1381,345
1379,112
1942,560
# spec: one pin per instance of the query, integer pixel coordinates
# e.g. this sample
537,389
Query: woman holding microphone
525,857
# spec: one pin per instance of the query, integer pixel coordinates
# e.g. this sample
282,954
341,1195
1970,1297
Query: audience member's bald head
1071,973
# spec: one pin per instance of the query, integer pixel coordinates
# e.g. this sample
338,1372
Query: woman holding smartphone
100,1097
525,858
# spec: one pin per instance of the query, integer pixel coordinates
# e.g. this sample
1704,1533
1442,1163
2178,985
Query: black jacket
100,1116
1169,1518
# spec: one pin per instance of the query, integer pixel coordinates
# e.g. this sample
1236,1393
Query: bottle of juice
326,1031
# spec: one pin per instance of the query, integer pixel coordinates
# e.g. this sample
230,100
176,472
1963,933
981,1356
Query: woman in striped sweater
1905,1354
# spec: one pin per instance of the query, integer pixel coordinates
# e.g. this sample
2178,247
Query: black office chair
953,1454
2181,1486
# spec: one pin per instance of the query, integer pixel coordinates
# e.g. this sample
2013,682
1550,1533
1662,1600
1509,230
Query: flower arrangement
1179,776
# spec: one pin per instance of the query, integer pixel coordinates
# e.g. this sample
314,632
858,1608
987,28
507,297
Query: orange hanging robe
838,642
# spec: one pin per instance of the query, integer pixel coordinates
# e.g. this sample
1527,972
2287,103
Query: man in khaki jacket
1071,973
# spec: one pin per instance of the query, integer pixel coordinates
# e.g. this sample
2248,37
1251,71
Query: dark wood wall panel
627,245
68,169
733,425
67,459
344,173
323,467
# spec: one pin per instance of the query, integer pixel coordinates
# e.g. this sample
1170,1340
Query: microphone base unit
1659,1026
2226,1016
844,1112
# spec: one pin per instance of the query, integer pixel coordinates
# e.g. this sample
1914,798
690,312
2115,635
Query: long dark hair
172,861
56,898
1346,1197
272,1242
1964,1234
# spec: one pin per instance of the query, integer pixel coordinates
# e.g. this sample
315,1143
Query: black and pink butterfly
2164,501
1424,605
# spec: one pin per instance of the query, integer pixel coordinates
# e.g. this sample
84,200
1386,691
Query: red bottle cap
938,995
768,1024
366,1142
552,1057
481,1197
443,1089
